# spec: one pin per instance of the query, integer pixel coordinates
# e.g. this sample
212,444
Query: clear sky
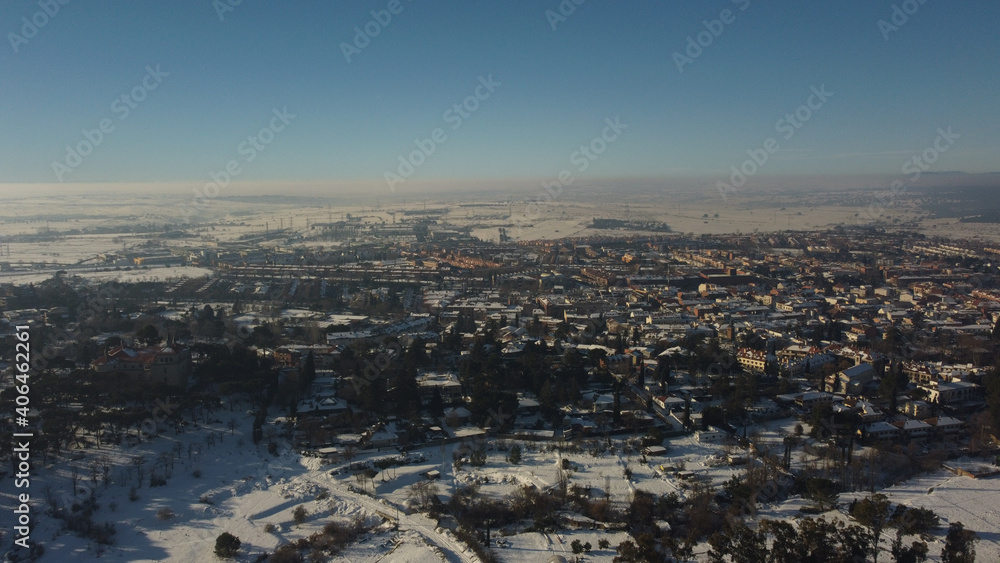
220,80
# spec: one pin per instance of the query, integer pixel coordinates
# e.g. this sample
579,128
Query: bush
577,547
133,494
485,555
286,554
603,544
653,438
157,481
205,499
196,473
103,534
299,515
270,528
227,545
515,455
164,514
478,457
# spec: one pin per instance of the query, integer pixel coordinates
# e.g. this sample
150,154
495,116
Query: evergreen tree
227,545
873,513
405,392
959,545
436,404
889,386
148,335
308,372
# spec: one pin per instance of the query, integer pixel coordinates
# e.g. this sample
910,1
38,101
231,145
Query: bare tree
137,462
423,494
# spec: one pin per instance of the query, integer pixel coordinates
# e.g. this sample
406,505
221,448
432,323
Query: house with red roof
170,364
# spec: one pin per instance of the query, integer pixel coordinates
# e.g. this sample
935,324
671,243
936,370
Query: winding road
454,549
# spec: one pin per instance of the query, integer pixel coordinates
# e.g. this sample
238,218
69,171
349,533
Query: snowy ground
151,274
973,502
242,489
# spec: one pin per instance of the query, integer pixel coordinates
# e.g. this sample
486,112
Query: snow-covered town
634,398
570,281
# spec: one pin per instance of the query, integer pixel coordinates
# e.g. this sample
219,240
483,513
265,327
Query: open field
217,480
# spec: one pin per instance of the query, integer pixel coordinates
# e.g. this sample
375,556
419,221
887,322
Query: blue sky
606,60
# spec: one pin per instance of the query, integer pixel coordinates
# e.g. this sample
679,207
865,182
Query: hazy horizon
500,188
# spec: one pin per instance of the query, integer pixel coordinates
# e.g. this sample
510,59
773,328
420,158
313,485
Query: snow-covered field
973,502
166,273
218,481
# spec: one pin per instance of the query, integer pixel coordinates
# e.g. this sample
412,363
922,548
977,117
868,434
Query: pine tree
959,545
436,404
227,545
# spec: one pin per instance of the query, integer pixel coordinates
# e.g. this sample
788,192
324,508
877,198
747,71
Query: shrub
227,545
485,555
478,457
196,473
103,534
577,547
157,481
205,499
603,544
133,494
164,514
653,438
270,528
286,554
300,514
515,454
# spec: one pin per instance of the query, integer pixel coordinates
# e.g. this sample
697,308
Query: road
454,549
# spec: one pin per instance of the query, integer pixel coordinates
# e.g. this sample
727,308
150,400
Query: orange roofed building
158,364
